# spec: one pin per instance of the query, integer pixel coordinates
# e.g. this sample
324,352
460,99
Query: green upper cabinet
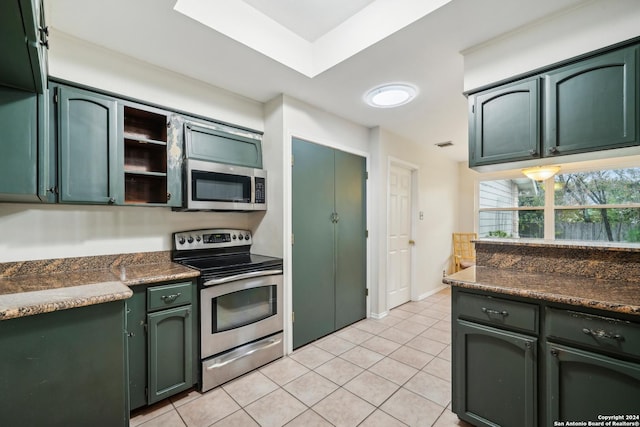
592,104
221,144
89,156
113,151
24,164
24,45
504,123
152,141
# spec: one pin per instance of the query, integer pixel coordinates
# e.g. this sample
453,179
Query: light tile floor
395,371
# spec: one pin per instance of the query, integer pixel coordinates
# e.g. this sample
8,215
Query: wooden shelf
145,188
145,157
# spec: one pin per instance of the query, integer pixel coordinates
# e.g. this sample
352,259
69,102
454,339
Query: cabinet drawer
498,312
173,295
598,332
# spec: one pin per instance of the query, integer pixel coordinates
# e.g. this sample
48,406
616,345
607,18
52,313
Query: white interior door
399,237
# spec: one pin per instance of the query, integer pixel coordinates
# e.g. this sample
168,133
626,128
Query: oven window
221,187
243,307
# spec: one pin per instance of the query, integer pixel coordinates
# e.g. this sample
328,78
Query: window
511,208
602,205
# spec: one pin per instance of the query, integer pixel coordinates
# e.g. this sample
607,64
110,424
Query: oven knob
190,239
234,237
247,237
197,238
181,240
241,237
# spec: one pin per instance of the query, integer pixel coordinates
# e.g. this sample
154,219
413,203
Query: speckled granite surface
34,287
610,295
604,261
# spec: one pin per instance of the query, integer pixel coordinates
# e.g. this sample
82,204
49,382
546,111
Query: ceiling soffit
242,22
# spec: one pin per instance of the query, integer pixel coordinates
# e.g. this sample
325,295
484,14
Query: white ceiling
309,19
425,52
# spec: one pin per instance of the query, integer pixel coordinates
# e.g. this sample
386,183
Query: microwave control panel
260,190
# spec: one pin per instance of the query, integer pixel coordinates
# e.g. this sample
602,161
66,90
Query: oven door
240,311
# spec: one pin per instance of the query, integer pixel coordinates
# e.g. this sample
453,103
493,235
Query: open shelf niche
145,156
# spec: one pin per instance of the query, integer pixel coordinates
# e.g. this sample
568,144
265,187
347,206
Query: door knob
412,242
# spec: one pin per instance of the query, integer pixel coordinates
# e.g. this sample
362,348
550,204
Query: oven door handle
242,276
231,357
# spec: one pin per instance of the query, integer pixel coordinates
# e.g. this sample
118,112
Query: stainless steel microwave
223,187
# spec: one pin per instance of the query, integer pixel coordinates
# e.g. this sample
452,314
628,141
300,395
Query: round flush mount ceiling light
391,95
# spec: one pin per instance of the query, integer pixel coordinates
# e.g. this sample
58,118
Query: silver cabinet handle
249,275
170,298
231,357
600,333
490,311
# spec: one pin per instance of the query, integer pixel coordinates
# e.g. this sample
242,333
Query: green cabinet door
214,143
313,254
137,347
24,45
351,240
89,156
25,168
504,124
64,368
495,378
582,385
170,344
592,104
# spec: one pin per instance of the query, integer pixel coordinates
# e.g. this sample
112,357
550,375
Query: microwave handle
242,276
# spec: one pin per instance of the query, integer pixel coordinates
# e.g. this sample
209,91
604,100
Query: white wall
437,198
36,231
591,26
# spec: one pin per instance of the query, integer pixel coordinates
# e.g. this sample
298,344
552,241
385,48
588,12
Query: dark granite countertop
63,283
609,295
563,244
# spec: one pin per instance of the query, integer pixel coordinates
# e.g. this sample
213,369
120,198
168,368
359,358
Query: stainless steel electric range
240,295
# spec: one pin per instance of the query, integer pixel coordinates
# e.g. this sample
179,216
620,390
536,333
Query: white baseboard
379,315
431,292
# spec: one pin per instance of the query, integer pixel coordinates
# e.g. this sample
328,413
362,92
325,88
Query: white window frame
548,184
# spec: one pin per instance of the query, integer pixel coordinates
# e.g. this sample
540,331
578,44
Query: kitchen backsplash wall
31,232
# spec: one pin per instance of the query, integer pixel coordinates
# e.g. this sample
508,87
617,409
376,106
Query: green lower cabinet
162,335
495,382
137,347
64,368
581,385
170,352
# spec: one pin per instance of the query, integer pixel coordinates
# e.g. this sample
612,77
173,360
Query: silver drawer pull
238,354
600,333
170,298
490,311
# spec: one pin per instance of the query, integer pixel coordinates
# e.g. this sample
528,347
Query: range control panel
211,238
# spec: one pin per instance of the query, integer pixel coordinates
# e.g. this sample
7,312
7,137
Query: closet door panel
313,246
351,243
